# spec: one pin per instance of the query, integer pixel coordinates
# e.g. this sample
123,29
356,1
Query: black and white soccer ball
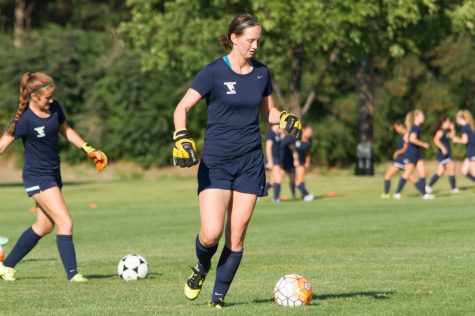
132,267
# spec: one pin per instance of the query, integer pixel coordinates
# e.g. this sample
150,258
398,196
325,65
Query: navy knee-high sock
228,264
469,176
433,180
276,191
303,189
68,254
387,186
452,182
401,184
421,185
292,189
23,246
204,255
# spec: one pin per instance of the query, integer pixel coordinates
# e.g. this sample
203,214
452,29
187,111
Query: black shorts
244,174
35,184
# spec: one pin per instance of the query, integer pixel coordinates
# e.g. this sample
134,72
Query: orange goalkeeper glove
184,152
97,156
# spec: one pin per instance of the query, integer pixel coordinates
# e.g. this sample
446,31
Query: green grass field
363,255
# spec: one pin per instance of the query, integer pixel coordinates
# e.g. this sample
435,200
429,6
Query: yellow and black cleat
194,284
218,305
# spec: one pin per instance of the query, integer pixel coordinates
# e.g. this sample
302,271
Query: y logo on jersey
231,89
41,131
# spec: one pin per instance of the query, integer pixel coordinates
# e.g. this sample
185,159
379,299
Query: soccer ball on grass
132,267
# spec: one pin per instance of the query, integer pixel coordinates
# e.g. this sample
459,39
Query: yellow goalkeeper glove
184,151
291,124
97,156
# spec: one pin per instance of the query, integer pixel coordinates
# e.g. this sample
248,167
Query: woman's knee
209,238
42,228
65,226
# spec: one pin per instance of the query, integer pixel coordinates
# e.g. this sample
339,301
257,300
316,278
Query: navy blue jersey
471,140
412,149
445,140
234,101
40,139
275,138
303,148
401,142
286,152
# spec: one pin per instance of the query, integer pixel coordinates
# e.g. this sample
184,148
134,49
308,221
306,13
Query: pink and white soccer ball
292,290
132,267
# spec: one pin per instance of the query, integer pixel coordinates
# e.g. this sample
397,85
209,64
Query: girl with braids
465,120
231,174
412,157
37,122
442,132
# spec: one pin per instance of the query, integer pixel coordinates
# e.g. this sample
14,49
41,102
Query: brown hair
237,27
30,83
467,116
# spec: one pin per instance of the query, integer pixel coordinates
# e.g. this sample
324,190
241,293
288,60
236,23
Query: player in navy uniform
465,120
398,159
442,132
288,159
273,160
231,173
37,122
302,159
413,157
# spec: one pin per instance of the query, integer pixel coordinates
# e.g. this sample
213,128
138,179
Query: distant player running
413,157
442,132
398,159
302,160
273,160
465,120
231,174
288,159
37,122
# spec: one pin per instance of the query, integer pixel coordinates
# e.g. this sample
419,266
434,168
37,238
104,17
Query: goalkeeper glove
184,152
291,124
97,156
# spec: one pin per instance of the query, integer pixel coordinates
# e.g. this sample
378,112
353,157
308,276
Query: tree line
350,68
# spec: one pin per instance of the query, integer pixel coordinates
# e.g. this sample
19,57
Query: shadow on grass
379,295
153,275
38,259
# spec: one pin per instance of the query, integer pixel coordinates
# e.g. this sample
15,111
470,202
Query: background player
231,174
288,159
273,160
37,122
302,160
412,157
442,131
465,120
398,159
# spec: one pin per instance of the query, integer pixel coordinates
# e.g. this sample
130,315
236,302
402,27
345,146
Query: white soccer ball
292,290
132,267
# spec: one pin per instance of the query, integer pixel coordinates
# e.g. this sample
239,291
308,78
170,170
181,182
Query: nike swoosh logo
259,77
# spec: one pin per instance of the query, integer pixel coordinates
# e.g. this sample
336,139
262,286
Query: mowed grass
363,255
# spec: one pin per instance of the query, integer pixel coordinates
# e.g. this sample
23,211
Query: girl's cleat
78,278
7,273
219,304
385,196
194,283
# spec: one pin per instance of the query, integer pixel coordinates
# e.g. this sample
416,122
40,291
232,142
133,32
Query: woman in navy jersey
413,156
442,132
37,122
398,159
465,120
231,173
273,160
302,159
288,159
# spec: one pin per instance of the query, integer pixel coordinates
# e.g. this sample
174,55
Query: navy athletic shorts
414,158
36,184
399,162
244,174
443,159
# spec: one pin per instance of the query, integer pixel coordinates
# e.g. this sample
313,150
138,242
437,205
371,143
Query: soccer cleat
219,304
7,273
428,189
385,196
428,196
308,198
276,200
194,283
78,278
455,190
397,196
